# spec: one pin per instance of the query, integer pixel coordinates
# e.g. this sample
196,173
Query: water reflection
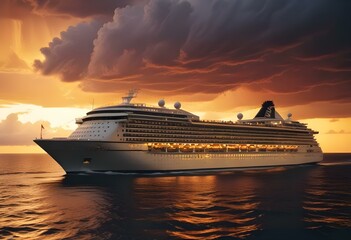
276,203
327,201
34,207
201,207
167,207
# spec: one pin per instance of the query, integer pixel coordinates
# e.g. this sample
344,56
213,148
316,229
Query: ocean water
38,201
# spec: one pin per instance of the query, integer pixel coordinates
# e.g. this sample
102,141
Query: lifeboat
232,148
173,148
252,148
262,148
281,149
243,147
271,148
186,148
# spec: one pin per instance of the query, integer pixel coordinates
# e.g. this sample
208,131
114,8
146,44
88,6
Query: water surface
38,201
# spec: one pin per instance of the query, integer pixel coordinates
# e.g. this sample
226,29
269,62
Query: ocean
38,201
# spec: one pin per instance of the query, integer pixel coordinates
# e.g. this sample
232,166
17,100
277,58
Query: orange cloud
338,132
30,88
13,132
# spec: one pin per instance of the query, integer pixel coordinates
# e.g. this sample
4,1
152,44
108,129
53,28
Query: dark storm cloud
20,9
155,32
15,9
210,46
69,55
78,8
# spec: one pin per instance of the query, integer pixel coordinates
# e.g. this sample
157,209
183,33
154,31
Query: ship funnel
267,110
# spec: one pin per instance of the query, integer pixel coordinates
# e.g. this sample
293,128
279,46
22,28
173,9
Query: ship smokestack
267,110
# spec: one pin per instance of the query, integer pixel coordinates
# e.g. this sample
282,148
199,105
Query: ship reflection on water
279,203
266,204
164,207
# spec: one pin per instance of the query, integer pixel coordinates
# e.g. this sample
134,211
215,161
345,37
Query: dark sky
301,48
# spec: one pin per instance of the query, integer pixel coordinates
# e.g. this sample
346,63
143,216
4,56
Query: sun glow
63,117
21,149
334,134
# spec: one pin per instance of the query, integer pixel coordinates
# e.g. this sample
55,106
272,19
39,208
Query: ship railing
278,124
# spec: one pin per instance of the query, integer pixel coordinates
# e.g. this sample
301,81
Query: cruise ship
132,137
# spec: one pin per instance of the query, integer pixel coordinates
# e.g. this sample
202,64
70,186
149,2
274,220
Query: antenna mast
131,94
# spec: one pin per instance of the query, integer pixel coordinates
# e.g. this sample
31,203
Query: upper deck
135,122
129,110
141,109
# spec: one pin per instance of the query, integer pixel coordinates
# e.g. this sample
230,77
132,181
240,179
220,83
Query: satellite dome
161,103
177,105
240,116
289,115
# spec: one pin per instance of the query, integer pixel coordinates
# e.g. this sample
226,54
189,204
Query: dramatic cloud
69,55
13,132
154,32
78,8
211,46
18,9
14,9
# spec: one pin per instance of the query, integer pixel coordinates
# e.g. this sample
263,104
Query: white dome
161,103
177,105
240,116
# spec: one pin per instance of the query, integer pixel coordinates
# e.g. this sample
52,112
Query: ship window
86,160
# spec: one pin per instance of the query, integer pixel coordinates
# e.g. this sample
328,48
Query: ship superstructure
136,138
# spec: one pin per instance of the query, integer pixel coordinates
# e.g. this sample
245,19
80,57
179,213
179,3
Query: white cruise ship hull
90,156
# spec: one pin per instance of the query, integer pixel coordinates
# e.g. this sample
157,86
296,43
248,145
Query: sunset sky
60,58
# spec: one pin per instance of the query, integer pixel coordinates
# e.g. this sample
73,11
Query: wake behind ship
137,138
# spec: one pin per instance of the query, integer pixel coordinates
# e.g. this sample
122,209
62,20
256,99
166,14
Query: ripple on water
327,201
239,205
226,217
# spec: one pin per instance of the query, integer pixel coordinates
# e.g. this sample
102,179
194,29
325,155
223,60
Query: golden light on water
200,212
39,202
